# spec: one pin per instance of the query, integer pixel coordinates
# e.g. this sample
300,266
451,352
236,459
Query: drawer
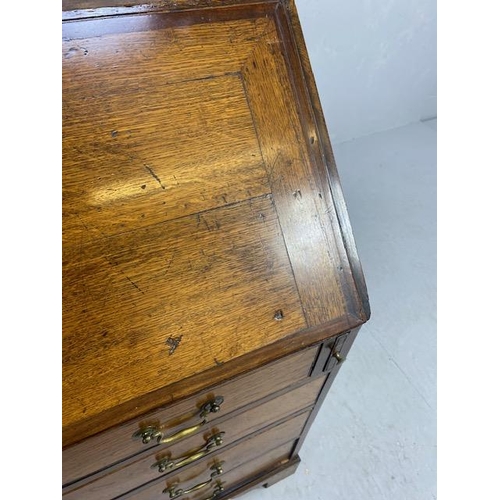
132,473
228,458
247,472
117,444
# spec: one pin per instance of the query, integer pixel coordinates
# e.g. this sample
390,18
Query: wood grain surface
179,156
212,281
204,231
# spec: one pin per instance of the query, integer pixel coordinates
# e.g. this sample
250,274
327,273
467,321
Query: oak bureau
211,285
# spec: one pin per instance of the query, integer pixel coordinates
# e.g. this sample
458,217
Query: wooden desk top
204,230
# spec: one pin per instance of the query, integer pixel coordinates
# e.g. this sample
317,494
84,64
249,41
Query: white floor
375,437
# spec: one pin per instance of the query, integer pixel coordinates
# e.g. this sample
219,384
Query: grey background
374,62
375,67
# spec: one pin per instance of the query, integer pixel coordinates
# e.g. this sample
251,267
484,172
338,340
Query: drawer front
132,473
247,472
228,458
110,447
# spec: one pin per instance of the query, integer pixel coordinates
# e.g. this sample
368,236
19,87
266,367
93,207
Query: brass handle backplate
173,492
147,434
168,463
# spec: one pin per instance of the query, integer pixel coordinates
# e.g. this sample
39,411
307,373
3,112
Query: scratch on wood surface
278,315
200,218
83,223
134,284
173,343
117,267
273,166
155,177
81,403
206,223
170,262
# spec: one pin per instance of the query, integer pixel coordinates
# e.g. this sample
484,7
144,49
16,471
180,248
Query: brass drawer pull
176,493
167,463
150,432
218,488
